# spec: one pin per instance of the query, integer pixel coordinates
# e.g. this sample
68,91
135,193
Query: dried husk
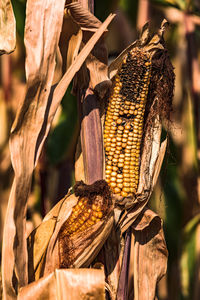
7,28
67,284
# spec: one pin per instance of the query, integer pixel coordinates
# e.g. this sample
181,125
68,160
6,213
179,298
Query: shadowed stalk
91,133
122,293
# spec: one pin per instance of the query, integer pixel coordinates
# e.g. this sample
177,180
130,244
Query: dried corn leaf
60,89
7,28
32,125
66,285
40,64
150,255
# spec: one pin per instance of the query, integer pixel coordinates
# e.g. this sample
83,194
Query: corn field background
176,197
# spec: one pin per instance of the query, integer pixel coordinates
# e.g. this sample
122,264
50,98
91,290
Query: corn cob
84,214
93,208
124,120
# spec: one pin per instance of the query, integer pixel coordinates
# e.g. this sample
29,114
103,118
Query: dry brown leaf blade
7,28
41,47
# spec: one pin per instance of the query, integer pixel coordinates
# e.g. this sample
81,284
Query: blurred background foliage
176,197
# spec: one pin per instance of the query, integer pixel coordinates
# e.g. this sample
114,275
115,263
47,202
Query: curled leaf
86,20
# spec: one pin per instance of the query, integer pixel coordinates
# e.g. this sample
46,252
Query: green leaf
19,7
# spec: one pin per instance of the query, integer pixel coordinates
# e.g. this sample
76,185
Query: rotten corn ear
91,212
124,122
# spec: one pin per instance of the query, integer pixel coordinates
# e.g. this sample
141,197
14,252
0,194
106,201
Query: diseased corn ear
142,91
88,217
